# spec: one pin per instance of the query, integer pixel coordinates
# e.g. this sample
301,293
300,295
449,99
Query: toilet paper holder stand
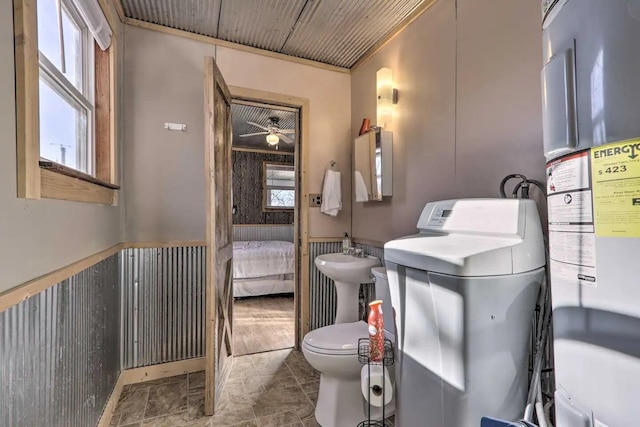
387,360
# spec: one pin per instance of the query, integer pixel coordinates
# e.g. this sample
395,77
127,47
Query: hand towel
361,188
331,193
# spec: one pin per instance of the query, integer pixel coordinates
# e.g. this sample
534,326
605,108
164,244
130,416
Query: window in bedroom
278,186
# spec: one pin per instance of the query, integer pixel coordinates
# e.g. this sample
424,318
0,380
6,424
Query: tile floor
277,388
273,389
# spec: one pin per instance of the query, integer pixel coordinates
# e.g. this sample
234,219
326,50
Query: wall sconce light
272,139
387,97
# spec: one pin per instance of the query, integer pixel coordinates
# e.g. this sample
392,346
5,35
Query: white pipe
541,340
528,412
547,411
542,418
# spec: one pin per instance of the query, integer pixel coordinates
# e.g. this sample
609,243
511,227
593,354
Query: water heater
591,117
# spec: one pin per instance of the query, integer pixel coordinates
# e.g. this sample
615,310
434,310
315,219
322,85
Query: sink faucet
356,252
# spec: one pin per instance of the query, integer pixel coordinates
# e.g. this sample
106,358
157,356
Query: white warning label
568,174
572,237
571,208
574,274
573,248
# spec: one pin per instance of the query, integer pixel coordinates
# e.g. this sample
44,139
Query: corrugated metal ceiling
335,32
196,16
241,114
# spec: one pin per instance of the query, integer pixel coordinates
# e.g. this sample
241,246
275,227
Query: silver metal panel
265,24
241,114
59,351
594,38
260,233
323,301
163,305
339,32
196,16
336,32
322,292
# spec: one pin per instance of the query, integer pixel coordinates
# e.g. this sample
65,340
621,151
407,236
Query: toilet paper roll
374,380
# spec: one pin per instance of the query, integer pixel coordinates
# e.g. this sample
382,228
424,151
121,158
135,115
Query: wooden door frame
301,221
212,80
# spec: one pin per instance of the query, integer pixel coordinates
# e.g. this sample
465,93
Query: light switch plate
315,200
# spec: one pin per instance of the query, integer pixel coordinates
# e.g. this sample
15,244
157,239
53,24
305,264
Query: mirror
372,153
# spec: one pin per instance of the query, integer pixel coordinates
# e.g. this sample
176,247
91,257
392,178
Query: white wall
164,171
39,236
469,110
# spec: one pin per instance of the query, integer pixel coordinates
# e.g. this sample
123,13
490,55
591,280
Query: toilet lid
340,339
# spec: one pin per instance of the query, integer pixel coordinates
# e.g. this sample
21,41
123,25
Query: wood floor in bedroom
263,324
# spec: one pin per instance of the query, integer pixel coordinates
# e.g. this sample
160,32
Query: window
279,186
66,87
65,56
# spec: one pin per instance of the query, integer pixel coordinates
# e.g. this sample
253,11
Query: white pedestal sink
347,272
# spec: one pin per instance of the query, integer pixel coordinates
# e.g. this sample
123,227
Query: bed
262,268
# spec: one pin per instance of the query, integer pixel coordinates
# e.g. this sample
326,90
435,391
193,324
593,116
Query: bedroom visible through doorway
265,204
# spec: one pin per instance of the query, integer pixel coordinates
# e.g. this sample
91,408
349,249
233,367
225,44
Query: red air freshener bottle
376,331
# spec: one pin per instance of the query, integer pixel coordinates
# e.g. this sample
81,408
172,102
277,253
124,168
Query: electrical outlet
315,200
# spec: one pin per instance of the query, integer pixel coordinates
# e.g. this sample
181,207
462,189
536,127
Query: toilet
333,351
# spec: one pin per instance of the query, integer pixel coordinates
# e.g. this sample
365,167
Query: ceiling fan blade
257,125
287,131
285,138
253,134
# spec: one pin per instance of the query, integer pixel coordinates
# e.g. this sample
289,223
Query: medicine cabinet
373,159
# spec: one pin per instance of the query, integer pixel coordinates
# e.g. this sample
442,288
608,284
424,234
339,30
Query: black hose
507,178
523,184
541,186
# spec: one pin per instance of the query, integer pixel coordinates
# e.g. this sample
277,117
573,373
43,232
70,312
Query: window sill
62,183
267,210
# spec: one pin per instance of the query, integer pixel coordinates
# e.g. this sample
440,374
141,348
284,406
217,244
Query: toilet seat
339,340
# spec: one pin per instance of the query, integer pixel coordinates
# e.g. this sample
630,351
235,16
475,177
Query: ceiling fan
273,131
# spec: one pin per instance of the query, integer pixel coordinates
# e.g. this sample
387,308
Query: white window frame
266,199
67,90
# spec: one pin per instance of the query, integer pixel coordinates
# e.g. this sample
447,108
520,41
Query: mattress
269,285
253,259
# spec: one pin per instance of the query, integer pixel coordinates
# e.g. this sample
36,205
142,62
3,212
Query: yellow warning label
615,175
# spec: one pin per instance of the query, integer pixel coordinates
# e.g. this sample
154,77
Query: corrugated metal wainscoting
262,233
163,303
322,292
59,351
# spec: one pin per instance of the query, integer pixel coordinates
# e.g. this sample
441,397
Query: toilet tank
382,292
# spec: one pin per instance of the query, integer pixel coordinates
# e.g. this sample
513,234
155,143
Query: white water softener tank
464,291
591,120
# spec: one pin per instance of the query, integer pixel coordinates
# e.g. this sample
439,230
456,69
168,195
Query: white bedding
257,259
269,285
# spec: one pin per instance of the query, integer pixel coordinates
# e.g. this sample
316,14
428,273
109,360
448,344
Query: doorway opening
265,209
